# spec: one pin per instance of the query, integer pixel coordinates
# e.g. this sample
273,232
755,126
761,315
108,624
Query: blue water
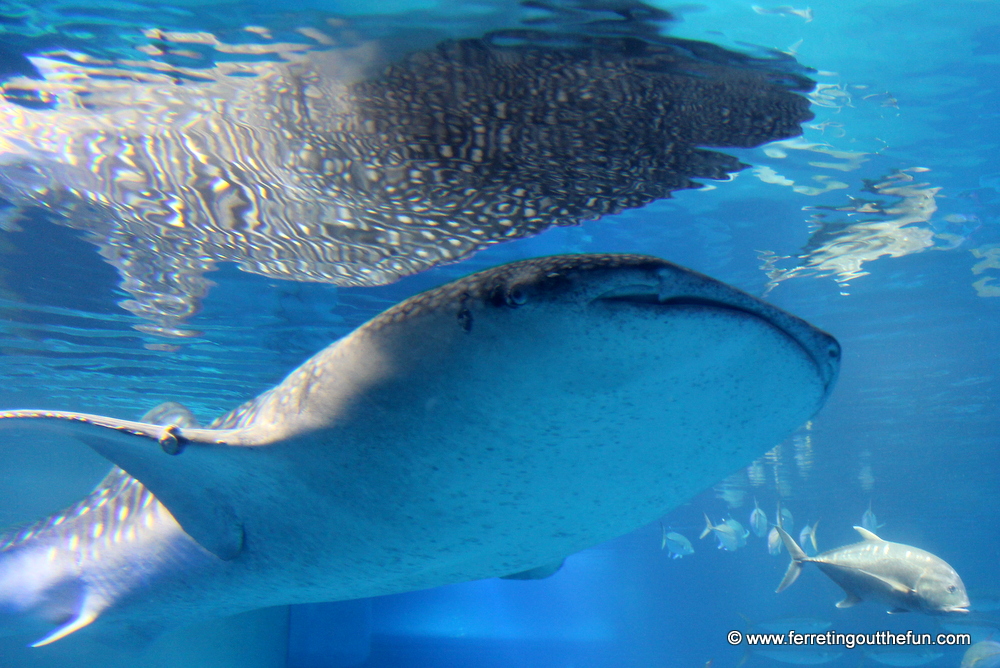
905,120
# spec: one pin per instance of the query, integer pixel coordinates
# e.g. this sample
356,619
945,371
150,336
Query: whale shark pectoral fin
537,573
63,419
193,487
91,608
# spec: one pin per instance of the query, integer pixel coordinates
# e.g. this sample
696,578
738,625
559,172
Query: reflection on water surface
303,158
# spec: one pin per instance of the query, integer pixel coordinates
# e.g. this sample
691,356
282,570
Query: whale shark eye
516,297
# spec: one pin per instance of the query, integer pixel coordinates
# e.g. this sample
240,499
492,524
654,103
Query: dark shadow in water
310,167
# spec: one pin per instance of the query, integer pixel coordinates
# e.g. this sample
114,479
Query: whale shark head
557,324
641,284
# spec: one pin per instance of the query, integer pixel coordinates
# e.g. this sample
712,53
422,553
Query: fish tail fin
708,527
812,536
794,568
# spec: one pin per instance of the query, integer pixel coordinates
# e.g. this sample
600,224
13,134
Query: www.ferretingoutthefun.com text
849,640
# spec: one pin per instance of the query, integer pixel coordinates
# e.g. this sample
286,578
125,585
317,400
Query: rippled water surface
196,197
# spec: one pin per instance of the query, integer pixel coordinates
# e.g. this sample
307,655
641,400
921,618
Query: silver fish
807,539
984,654
438,443
773,541
738,530
758,520
677,544
786,624
729,539
783,517
869,521
787,521
902,656
799,656
786,10
902,577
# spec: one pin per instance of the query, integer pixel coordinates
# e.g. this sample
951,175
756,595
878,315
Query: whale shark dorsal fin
192,487
868,535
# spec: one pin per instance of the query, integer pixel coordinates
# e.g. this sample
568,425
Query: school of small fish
732,535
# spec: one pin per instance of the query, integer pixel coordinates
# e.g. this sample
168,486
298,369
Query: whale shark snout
657,283
680,287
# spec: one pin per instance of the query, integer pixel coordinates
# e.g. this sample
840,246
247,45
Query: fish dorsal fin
868,535
194,487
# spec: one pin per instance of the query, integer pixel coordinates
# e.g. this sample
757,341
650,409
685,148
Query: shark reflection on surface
314,161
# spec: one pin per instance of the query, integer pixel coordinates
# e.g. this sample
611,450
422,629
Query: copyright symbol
734,637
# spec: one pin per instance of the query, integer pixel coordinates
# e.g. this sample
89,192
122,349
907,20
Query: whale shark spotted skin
484,428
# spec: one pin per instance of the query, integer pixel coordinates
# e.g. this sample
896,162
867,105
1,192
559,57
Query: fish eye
952,588
516,297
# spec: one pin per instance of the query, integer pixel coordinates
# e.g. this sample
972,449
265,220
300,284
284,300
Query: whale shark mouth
826,358
634,294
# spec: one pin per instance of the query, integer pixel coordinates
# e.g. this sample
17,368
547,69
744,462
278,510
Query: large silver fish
902,577
487,427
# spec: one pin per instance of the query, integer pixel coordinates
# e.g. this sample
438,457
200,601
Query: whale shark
488,427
